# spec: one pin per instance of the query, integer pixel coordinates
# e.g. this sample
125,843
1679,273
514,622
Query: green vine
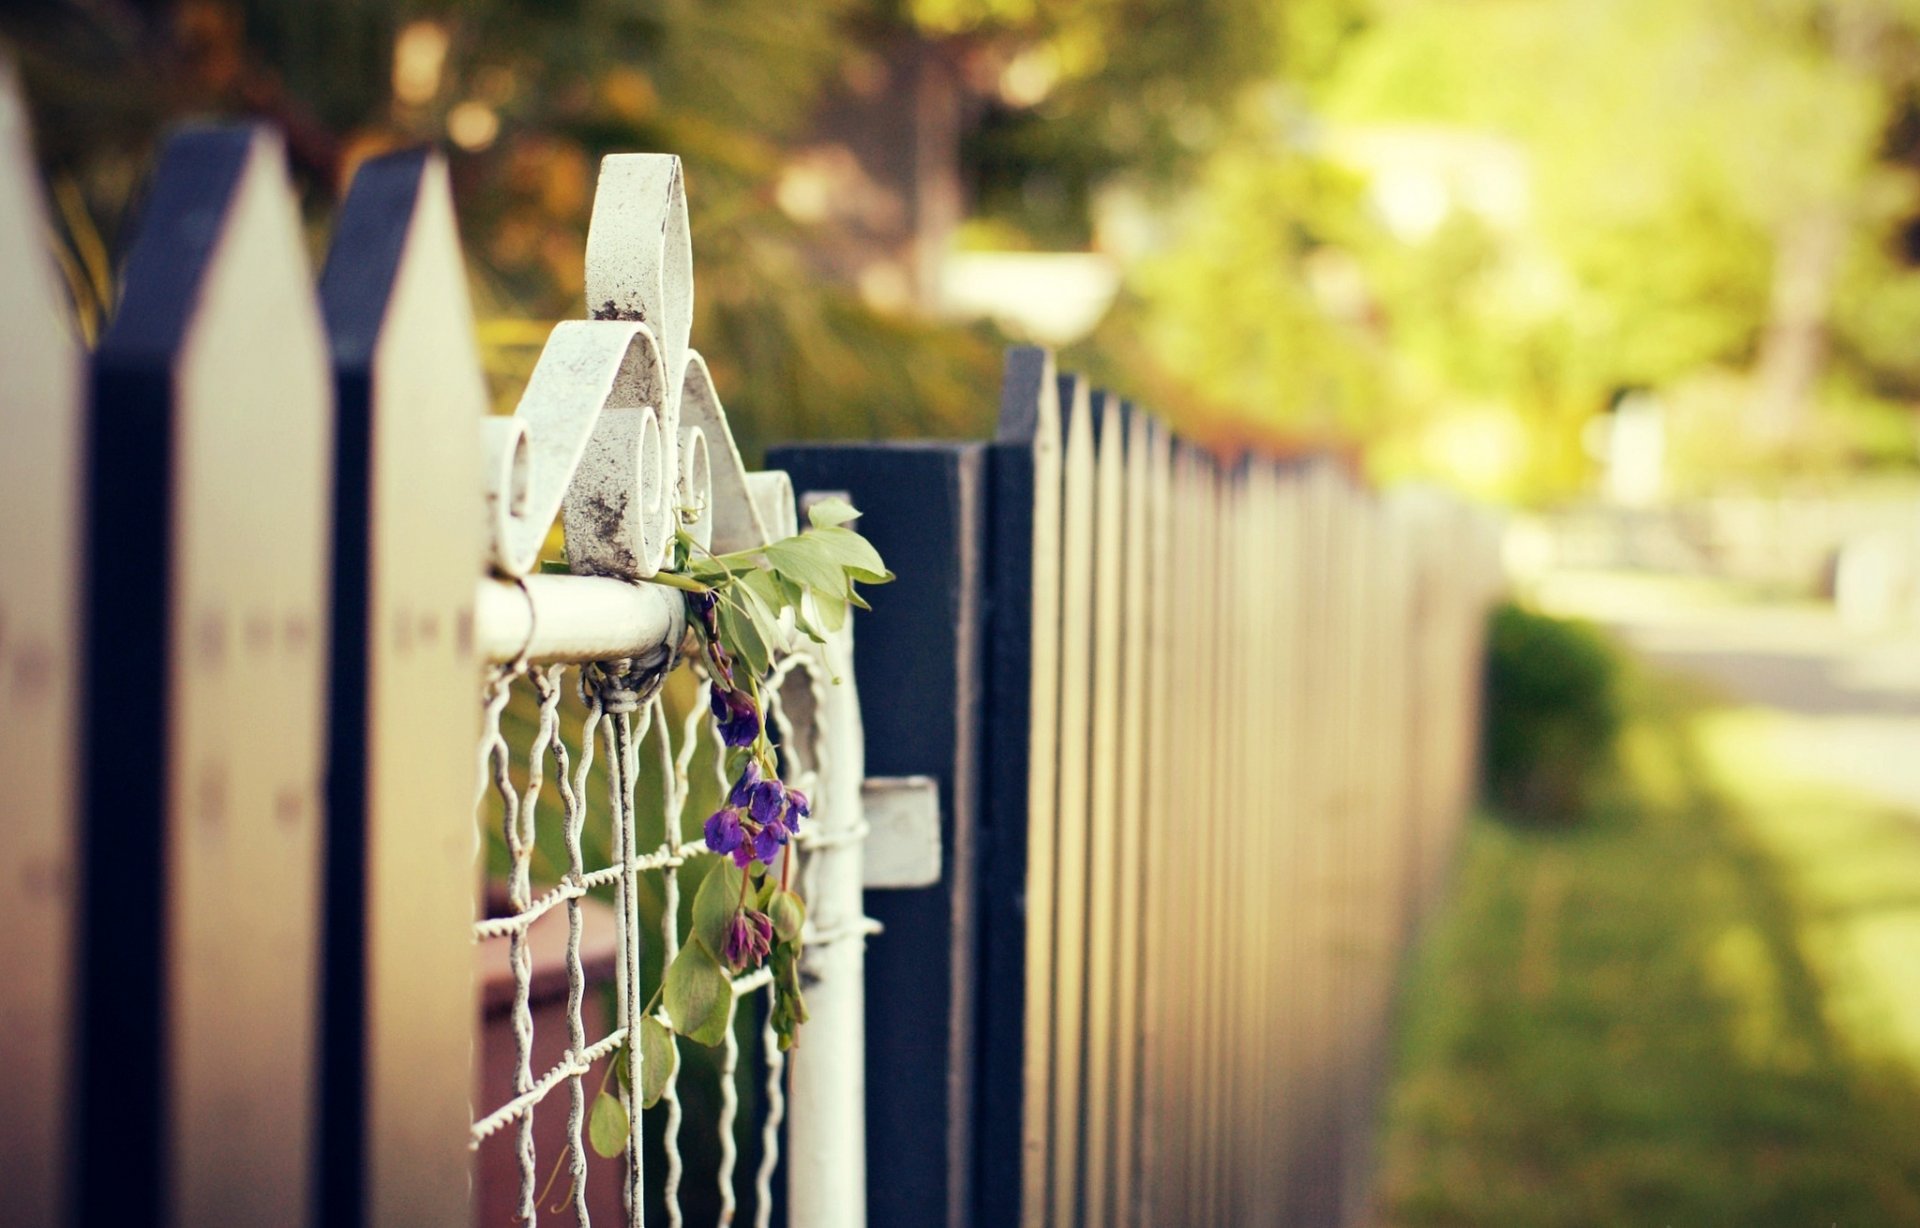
744,609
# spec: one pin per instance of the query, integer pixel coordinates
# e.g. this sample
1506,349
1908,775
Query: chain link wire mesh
583,765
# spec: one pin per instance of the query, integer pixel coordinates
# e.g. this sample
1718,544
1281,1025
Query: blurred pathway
1848,701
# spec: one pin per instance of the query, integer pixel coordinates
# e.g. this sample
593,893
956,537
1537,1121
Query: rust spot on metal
611,310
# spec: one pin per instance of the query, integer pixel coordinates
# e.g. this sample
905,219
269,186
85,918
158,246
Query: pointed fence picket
42,410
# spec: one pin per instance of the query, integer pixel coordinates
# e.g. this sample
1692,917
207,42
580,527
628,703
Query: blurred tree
1556,200
1455,229
527,96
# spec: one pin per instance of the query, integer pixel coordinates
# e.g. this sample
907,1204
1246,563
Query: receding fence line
1175,747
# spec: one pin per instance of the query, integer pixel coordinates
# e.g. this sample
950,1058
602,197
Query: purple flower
797,809
769,799
739,719
743,788
749,938
767,842
724,833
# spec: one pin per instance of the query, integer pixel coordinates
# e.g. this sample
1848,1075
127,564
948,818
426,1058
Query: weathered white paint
826,1145
575,618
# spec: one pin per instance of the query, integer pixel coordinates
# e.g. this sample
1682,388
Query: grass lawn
1700,1008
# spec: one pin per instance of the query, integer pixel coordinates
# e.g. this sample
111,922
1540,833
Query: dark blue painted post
917,658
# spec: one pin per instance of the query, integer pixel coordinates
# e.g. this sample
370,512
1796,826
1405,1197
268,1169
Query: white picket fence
259,633
275,623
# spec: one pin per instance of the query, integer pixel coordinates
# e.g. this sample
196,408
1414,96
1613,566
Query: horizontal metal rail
576,619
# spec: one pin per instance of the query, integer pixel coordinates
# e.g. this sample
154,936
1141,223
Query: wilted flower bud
739,719
749,938
787,913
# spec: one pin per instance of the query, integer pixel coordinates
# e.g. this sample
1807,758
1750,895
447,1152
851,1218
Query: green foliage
811,575
714,903
551,88
608,1126
1553,714
698,994
1701,1013
659,1056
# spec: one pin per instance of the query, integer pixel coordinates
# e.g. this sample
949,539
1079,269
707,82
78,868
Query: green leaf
788,913
764,596
830,611
739,634
853,552
715,902
808,562
658,1057
607,1128
699,995
829,512
795,597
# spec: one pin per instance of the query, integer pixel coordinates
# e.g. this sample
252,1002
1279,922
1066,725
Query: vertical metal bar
41,500
826,1149
208,460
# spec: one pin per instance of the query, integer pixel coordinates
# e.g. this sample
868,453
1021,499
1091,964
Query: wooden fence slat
401,873
1022,662
1075,777
1133,786
1158,889
40,501
917,656
207,468
1105,776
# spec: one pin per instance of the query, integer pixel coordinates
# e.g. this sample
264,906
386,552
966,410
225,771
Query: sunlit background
1645,271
